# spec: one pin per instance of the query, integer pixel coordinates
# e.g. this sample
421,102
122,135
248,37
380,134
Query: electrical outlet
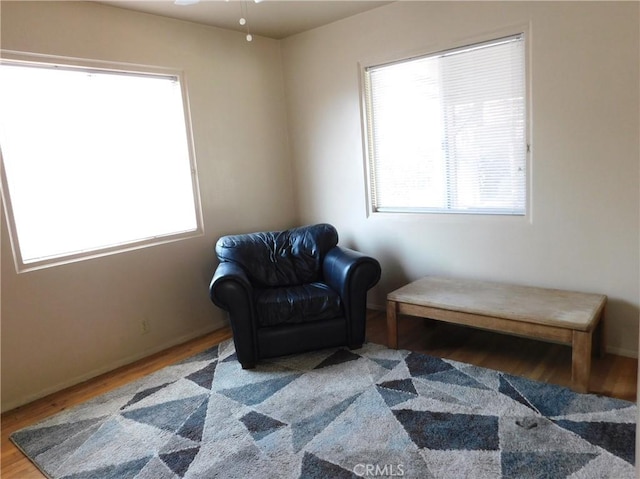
144,326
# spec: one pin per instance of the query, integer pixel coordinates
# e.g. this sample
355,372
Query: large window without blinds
94,160
446,132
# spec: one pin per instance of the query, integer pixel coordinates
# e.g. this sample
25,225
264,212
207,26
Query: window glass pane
94,158
447,131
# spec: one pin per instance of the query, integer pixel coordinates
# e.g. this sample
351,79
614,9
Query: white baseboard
110,367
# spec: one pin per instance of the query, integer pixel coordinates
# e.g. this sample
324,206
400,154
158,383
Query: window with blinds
446,132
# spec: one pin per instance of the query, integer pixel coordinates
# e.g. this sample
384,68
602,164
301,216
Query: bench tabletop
553,307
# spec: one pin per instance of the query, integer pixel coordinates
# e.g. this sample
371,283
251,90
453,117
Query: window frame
437,49
80,64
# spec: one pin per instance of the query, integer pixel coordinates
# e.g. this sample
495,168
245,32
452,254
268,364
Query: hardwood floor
612,375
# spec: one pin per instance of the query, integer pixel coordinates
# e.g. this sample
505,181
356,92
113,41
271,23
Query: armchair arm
352,274
231,290
228,285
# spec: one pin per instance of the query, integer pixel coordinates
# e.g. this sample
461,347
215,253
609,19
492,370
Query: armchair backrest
280,258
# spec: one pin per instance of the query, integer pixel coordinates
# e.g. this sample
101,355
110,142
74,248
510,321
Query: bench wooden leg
392,325
581,361
600,338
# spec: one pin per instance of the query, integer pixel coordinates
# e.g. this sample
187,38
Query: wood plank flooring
612,375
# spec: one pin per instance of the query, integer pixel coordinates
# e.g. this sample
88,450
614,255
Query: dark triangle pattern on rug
143,394
339,357
194,425
315,468
608,435
335,413
256,393
169,416
446,431
39,441
180,461
260,425
204,377
534,465
398,391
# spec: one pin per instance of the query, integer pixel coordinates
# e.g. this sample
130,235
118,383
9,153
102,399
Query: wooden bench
554,315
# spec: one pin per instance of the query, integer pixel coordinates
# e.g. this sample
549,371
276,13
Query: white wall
582,233
68,323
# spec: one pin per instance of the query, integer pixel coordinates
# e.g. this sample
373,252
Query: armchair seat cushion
296,304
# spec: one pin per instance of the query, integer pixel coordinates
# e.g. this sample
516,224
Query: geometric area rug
334,413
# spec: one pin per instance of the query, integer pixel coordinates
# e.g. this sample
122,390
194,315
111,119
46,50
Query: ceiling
270,18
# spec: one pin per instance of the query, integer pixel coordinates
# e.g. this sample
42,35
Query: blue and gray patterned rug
372,412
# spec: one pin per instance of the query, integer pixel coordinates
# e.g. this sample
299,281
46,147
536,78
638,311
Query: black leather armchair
292,291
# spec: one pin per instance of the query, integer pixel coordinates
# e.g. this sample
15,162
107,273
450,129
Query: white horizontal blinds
483,107
447,131
406,135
